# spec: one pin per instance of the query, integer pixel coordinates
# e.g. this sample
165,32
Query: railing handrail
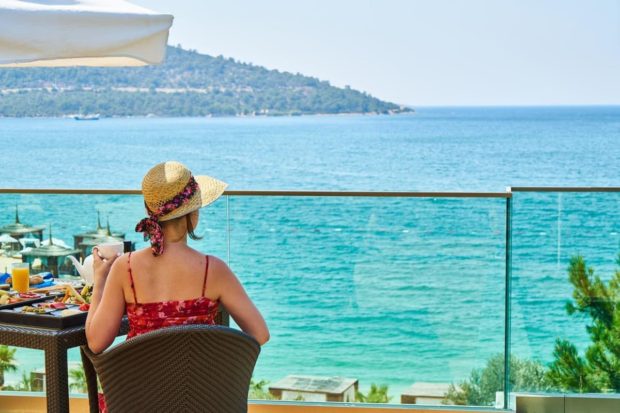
66,191
378,194
564,189
308,193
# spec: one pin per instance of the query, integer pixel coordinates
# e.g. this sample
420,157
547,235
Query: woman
169,283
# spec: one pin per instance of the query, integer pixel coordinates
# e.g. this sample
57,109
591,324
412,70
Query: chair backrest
191,368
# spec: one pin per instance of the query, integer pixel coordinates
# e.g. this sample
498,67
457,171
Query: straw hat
166,180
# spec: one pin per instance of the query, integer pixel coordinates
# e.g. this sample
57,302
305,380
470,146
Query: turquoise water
391,290
434,149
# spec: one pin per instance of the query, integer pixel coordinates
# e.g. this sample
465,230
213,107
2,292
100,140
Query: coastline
240,116
412,112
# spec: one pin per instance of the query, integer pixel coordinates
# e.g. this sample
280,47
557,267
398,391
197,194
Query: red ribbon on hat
150,226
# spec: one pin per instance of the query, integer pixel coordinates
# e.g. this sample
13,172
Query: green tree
599,369
258,391
7,362
480,388
376,394
77,379
24,385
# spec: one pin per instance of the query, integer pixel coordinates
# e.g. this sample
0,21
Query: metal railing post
507,298
228,229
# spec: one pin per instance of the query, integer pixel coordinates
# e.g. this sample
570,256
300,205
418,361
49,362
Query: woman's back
178,274
169,292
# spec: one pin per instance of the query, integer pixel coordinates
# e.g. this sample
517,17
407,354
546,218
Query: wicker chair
192,368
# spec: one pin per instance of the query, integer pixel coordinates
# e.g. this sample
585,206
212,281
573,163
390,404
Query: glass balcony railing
418,296
388,291
555,232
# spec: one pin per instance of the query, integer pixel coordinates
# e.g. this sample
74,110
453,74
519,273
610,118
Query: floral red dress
145,317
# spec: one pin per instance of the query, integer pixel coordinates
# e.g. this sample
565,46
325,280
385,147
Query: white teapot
106,251
85,269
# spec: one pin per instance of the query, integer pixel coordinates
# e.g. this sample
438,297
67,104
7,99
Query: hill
187,84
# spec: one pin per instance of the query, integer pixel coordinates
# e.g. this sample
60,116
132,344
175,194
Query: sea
386,290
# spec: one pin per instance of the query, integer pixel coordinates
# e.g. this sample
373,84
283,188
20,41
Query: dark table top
42,338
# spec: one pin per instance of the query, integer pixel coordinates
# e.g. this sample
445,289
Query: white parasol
55,241
6,238
80,33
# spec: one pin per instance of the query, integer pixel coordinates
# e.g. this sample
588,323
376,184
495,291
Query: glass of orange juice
20,276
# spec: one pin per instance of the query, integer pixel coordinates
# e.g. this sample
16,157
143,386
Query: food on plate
54,305
58,305
29,296
35,310
69,311
72,296
11,298
87,292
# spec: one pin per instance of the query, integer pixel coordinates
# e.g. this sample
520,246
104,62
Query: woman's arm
107,304
238,304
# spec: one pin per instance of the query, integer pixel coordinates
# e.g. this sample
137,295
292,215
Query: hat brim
210,189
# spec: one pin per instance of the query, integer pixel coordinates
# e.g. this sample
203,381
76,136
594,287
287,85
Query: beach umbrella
80,33
55,241
6,238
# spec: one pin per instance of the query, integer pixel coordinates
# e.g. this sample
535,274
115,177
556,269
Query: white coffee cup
109,250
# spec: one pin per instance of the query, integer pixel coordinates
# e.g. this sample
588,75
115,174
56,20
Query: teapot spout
78,266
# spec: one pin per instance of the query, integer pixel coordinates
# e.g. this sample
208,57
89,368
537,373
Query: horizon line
513,105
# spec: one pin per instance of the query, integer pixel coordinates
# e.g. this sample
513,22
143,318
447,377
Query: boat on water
86,117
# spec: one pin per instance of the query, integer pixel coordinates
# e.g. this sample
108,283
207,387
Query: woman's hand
101,266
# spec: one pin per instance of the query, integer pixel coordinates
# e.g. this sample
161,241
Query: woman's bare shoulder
219,270
121,263
215,260
217,264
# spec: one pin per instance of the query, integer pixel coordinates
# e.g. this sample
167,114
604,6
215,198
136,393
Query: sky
421,52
